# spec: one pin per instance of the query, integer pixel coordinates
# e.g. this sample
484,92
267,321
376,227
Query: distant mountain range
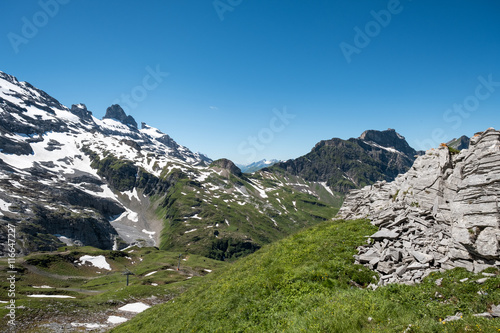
67,177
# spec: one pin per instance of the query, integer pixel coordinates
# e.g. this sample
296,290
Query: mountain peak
115,111
460,143
8,77
81,111
389,139
228,165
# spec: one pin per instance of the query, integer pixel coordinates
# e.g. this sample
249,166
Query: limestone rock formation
443,213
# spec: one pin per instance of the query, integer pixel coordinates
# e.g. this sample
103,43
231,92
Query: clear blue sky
230,63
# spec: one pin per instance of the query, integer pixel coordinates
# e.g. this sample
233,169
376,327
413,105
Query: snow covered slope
47,183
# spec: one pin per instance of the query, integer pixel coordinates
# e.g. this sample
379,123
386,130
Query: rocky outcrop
443,213
81,111
228,165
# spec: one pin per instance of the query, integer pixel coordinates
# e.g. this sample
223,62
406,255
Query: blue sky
258,79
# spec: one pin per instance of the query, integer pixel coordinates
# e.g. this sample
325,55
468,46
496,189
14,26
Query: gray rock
443,212
422,257
457,316
385,267
401,270
482,280
495,310
417,265
487,242
385,233
116,112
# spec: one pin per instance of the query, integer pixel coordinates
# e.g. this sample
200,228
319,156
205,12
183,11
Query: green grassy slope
229,217
308,283
97,292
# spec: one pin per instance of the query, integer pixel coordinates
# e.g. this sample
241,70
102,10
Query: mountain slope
308,282
354,163
67,177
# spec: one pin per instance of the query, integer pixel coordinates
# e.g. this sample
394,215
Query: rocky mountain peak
81,111
228,165
8,77
116,112
443,213
389,139
460,143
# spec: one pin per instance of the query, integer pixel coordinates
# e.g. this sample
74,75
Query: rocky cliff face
443,213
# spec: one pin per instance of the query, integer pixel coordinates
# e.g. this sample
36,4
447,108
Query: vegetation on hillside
229,219
308,283
96,292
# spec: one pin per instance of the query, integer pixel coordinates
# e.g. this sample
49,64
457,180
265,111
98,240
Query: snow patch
4,205
151,273
149,233
134,307
116,320
51,296
96,261
327,188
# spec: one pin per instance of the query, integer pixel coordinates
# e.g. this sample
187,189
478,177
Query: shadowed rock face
444,210
390,139
460,143
116,112
354,163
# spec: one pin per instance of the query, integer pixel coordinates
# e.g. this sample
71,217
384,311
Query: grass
308,283
96,291
223,214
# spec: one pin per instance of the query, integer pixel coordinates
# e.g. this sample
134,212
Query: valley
118,227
